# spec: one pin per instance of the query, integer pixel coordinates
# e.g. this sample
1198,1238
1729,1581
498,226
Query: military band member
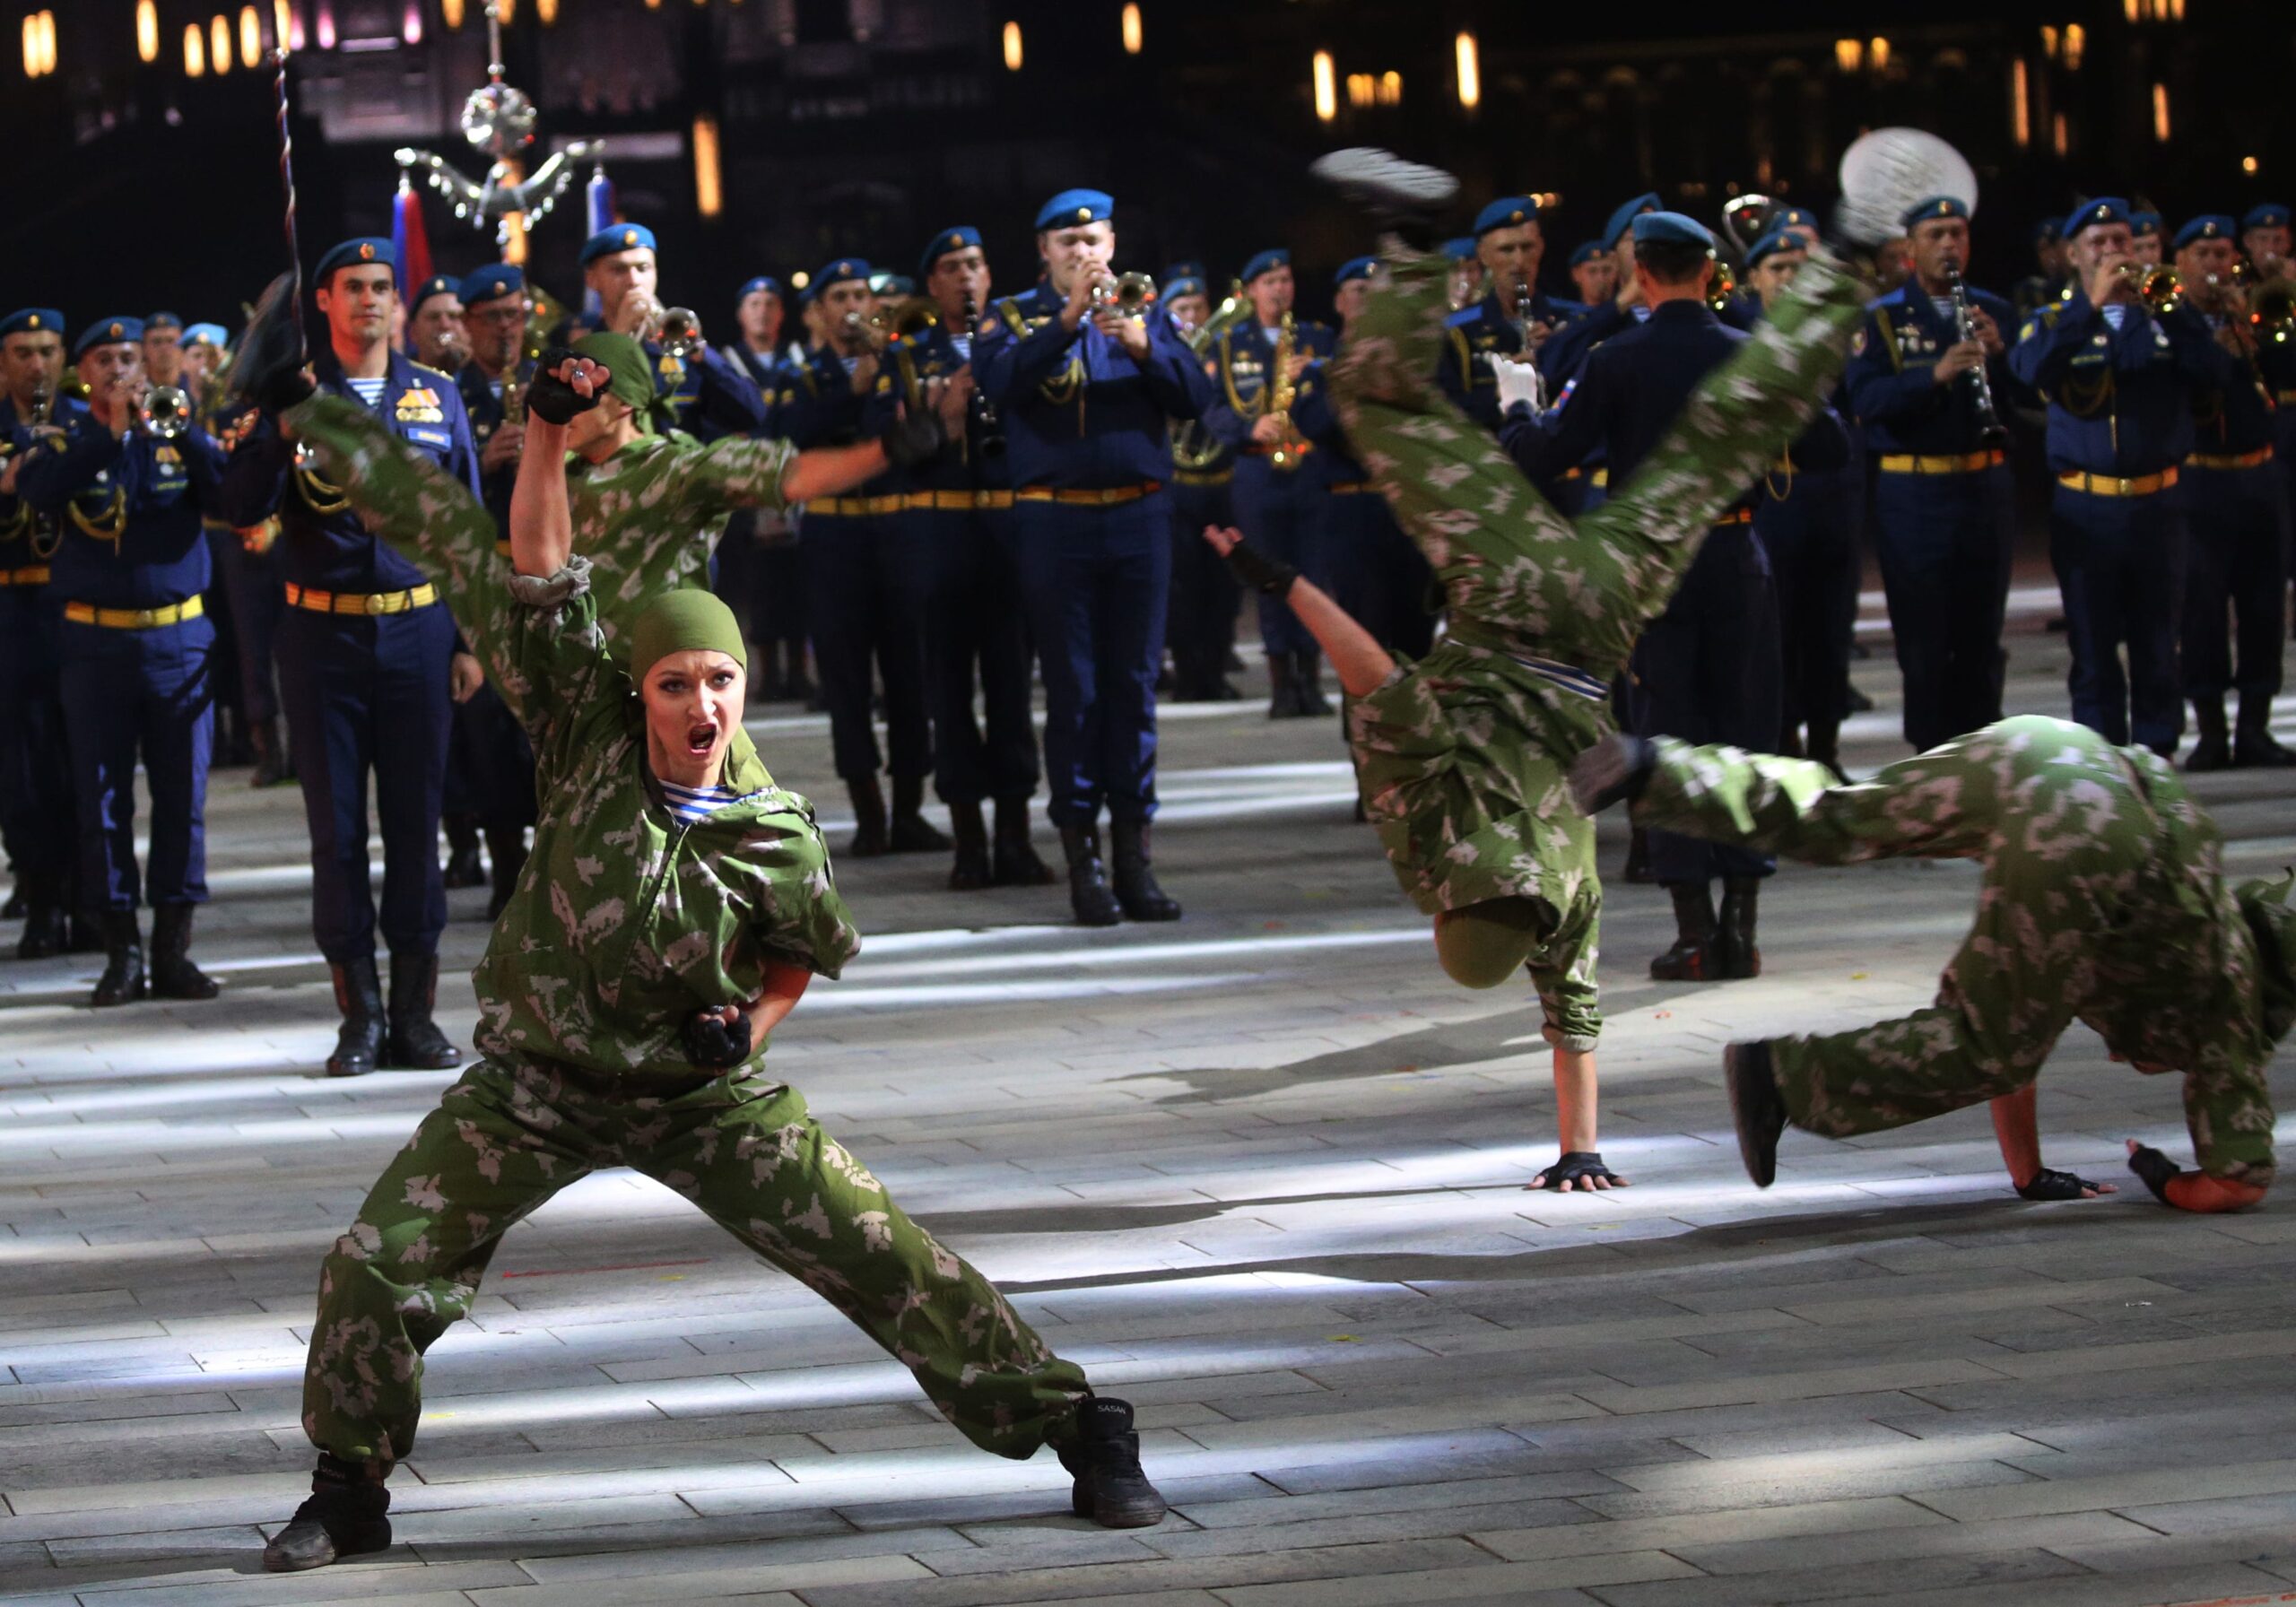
129,573
760,563
2120,382
36,810
435,333
1513,318
1200,630
1466,272
2145,243
163,343
1560,357
1593,274
2264,238
1280,499
202,347
365,655
1944,497
1086,394
2052,276
708,396
2236,506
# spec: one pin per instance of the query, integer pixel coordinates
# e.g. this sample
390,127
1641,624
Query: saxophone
1280,394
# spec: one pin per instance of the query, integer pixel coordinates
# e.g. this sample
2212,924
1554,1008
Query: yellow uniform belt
1195,477
857,507
945,501
2106,485
1959,463
1349,488
1736,516
34,574
1106,497
134,619
360,603
2232,460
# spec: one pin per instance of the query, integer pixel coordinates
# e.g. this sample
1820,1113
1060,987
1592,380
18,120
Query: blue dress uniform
1706,669
1378,574
129,573
705,395
1088,446
1280,502
36,814
759,570
2236,504
2120,423
1200,627
1493,327
363,652
1944,505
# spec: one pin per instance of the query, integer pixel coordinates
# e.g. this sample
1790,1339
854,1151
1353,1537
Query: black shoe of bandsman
1089,897
1756,1107
343,1517
414,1042
358,995
1104,1458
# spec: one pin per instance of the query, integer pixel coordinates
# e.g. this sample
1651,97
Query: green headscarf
679,621
634,373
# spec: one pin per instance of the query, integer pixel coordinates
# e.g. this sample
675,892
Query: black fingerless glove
2049,1184
1573,1165
1259,572
550,398
2155,1170
913,436
712,1041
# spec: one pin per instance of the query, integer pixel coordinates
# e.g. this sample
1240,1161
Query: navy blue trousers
1810,537
1286,516
866,580
1096,581
1945,542
369,695
147,693
36,826
976,635
490,756
2237,582
1201,627
1706,671
258,599
2120,565
1379,574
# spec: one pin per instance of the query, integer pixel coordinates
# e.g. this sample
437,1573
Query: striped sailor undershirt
1570,677
695,804
370,391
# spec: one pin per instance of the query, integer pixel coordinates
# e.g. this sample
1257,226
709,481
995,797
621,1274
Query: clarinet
1991,432
988,429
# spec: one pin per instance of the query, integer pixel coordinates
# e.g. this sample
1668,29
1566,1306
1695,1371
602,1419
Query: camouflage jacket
625,921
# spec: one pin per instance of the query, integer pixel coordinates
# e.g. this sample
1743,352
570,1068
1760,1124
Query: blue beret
2104,209
162,320
2208,226
2142,223
1072,207
1771,244
1921,212
212,334
2050,228
1355,268
621,237
1796,217
944,242
839,272
1459,249
1671,227
1506,213
1624,218
437,284
1266,262
107,332
492,282
1189,269
32,320
354,252
885,281
2266,214
1183,284
762,281
1587,251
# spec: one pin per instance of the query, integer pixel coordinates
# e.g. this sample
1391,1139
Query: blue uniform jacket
159,554
483,401
1890,380
763,371
938,353
709,398
333,551
1631,390
2241,417
1078,411
1472,335
1316,419
18,548
2120,401
1243,361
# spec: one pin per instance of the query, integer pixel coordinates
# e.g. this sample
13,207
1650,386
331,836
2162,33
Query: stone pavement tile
363,1580
2008,1572
2218,1584
1361,1527
1826,1518
2268,1546
2062,1534
1265,1508
1451,1583
971,1510
672,1580
2118,1492
2208,1516
1886,1376
1801,1488
618,1567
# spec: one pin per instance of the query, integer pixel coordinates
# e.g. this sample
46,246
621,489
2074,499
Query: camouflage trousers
2046,841
511,1134
1461,756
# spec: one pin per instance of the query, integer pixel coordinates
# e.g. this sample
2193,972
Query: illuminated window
2161,112
1877,51
2021,116
707,194
1391,89
1363,89
1012,46
147,30
1132,41
451,13
218,49
2060,138
2076,39
1470,71
1850,54
195,51
547,10
1326,91
2249,165
250,36
2048,42
411,26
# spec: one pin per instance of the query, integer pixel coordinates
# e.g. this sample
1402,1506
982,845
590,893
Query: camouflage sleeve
796,916
1564,971
2228,1110
737,472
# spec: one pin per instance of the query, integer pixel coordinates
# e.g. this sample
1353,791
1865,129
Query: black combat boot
1307,683
1691,958
912,832
1017,860
358,995
1136,893
123,979
48,930
173,975
1089,894
464,868
1104,1457
2213,751
271,764
869,836
1735,957
414,1043
971,872
343,1517
2253,745
1282,696
1402,198
1757,1109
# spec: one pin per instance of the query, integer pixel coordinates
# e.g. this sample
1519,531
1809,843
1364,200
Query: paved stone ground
1262,1172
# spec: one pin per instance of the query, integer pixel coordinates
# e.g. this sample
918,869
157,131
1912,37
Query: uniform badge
420,405
1857,342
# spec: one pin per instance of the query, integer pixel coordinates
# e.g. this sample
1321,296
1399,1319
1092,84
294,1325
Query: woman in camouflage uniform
2104,901
676,905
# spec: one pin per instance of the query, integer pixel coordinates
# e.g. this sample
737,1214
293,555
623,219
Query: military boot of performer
358,995
413,1041
908,831
343,1517
123,980
173,975
1015,856
1735,957
1691,957
870,838
1090,896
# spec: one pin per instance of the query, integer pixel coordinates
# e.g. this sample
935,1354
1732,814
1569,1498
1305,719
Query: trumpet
1232,310
1129,297
905,319
2156,285
2272,310
679,331
163,412
1721,288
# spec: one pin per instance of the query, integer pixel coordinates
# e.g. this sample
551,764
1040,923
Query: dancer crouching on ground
676,905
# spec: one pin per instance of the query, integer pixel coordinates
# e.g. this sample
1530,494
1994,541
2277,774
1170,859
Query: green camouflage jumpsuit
2103,901
1462,756
625,923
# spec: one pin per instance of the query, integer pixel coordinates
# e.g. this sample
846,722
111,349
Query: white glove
1519,381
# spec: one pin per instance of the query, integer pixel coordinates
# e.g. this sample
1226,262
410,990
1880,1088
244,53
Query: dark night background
864,126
